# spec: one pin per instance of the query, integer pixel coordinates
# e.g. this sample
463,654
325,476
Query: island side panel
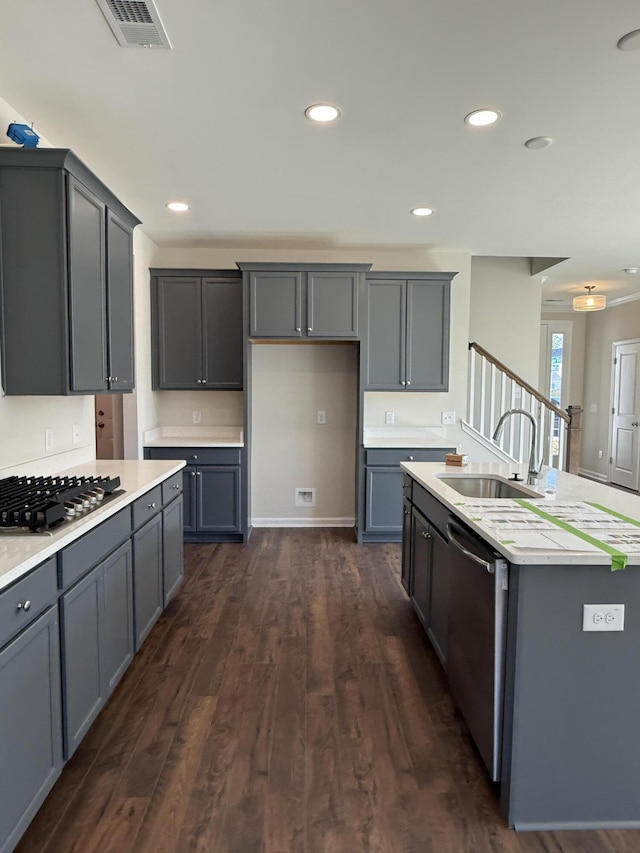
572,721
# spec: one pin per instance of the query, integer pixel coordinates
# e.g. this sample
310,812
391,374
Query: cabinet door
427,336
87,290
119,304
147,577
421,544
218,499
406,576
439,594
116,636
30,722
189,520
83,678
386,322
172,548
177,348
383,500
276,304
332,305
222,332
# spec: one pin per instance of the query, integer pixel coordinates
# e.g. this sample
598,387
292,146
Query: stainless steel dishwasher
477,631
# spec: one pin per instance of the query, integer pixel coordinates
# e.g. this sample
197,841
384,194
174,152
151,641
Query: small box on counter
456,459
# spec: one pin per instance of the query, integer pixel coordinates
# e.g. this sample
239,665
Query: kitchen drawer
436,513
26,599
147,506
94,547
394,456
197,455
172,487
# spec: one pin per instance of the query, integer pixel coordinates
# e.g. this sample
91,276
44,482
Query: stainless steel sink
487,487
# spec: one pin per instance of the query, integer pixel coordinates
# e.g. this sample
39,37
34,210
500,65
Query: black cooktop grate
34,503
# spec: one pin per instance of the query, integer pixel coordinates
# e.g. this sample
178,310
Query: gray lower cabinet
30,722
406,336
196,330
148,585
212,490
383,518
172,549
67,284
303,301
426,548
97,639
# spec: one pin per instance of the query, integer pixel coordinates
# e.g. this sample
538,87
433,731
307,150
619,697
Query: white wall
505,312
290,384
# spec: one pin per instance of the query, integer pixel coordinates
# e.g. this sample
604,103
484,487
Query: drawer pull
24,605
151,506
175,486
194,456
410,458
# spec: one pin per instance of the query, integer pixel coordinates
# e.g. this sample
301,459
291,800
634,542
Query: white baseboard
592,475
303,522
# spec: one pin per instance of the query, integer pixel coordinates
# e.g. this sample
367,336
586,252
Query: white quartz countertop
525,536
399,437
187,436
19,553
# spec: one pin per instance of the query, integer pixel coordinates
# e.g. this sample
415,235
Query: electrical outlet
389,417
599,454
322,417
197,416
48,439
75,433
448,417
603,617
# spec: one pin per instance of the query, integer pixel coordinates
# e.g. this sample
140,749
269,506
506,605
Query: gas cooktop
34,504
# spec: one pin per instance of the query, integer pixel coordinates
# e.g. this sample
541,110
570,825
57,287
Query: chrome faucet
534,467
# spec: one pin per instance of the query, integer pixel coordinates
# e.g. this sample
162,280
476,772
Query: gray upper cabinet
298,301
196,330
407,331
66,277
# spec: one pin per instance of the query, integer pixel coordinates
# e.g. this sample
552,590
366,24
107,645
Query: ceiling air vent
135,23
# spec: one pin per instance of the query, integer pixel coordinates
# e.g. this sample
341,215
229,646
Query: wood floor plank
287,701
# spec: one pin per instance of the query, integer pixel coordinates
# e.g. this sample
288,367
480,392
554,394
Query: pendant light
589,302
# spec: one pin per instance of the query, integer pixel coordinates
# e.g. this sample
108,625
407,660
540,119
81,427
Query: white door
625,415
555,355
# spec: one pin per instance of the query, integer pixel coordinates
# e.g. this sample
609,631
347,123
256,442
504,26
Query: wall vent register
37,504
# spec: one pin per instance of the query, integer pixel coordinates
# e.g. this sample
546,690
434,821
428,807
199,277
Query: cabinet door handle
199,381
204,381
114,378
635,423
195,456
297,328
403,382
198,473
24,605
426,535
408,382
193,473
151,506
176,486
309,329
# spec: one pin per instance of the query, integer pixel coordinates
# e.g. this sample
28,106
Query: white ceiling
219,121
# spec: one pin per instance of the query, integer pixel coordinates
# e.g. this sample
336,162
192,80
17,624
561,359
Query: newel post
572,454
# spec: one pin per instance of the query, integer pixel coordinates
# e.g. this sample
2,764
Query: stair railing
494,388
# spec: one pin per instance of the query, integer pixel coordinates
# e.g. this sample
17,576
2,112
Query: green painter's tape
619,515
507,541
618,558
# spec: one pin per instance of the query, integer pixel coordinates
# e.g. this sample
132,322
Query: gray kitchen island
532,603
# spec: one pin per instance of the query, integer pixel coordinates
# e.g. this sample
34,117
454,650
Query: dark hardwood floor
287,700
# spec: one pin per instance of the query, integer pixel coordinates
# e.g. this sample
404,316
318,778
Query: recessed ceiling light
178,206
483,117
422,211
630,41
538,142
322,112
632,270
